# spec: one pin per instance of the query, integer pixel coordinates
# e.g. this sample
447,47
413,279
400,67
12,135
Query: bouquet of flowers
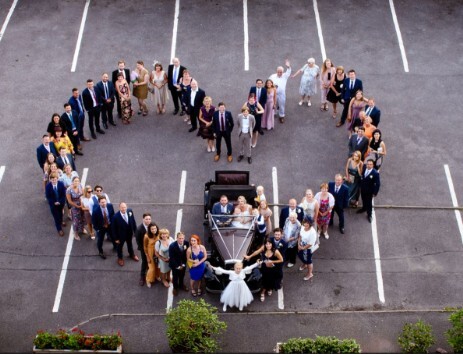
133,76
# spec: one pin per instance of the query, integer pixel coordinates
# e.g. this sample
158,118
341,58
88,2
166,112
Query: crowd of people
300,225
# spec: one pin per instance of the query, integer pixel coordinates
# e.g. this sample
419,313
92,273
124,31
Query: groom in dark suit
222,208
55,191
350,86
123,228
341,200
369,188
177,262
222,123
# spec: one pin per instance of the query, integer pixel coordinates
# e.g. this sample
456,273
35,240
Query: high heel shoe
310,278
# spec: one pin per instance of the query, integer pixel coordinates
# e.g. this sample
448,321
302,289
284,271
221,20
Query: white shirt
281,81
192,97
245,127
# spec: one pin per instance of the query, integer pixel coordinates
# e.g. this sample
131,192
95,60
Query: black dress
271,276
331,96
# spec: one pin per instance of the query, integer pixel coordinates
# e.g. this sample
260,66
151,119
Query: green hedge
455,334
320,345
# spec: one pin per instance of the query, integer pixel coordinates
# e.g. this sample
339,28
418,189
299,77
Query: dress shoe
105,125
249,159
120,261
85,139
100,131
79,153
191,129
360,211
240,158
185,288
93,135
341,230
175,112
230,158
216,158
61,233
142,281
339,124
182,113
261,132
113,124
135,258
63,223
175,292
370,218
102,255
282,120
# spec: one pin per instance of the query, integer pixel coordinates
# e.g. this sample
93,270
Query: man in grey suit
246,123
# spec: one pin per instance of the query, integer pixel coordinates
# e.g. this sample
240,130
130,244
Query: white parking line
79,37
399,36
246,35
454,200
64,268
276,219
7,20
379,275
174,31
281,299
319,28
2,171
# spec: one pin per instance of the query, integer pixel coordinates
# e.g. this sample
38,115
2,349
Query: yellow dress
63,141
153,269
141,91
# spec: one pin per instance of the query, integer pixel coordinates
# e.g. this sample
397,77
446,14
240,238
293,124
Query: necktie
80,105
123,73
125,218
351,84
55,189
368,112
174,76
358,140
72,121
336,190
222,122
94,98
66,161
367,172
106,95
105,218
258,94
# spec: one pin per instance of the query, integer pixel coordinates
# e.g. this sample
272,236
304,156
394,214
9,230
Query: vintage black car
228,242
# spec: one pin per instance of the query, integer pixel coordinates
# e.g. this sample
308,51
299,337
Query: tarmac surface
418,238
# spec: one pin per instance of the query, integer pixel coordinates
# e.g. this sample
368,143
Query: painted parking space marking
379,274
399,36
7,19
175,29
276,213
319,29
64,268
454,200
79,37
246,35
2,171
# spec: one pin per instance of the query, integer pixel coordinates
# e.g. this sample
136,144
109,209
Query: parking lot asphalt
418,239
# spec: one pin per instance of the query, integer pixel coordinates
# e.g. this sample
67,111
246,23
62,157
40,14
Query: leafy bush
320,345
455,334
416,337
191,327
77,340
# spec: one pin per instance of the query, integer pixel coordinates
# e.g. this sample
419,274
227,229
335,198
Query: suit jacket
116,72
61,163
140,235
229,124
284,214
198,103
88,101
263,95
68,124
217,208
177,257
281,245
353,146
252,123
375,115
347,93
74,102
42,153
99,89
97,216
51,196
341,199
123,231
370,184
170,74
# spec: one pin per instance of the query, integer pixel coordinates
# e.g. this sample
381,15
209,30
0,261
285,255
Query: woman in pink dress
268,116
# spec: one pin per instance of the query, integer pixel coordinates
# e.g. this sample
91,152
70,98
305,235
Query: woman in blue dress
196,256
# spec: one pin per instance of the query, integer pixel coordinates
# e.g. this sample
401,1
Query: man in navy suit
222,208
78,105
350,86
102,214
222,123
106,93
55,191
92,106
292,207
341,200
358,142
260,93
44,149
177,262
174,74
126,73
373,112
64,158
123,228
70,119
195,98
369,188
